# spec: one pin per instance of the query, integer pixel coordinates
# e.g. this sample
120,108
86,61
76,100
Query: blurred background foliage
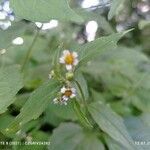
119,77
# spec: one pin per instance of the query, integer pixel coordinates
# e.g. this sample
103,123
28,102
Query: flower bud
69,75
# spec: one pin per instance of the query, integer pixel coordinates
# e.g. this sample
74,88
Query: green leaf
69,136
10,83
90,142
5,119
112,124
94,49
35,105
140,99
81,115
118,70
6,36
80,79
52,118
44,10
114,8
63,112
17,52
113,145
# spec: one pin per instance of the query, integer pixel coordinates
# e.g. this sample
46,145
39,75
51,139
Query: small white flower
68,92
70,59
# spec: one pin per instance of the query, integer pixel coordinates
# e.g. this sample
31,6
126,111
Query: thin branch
82,94
28,55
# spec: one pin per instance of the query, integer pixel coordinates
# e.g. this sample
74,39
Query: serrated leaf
10,83
114,7
112,124
69,136
93,49
44,10
35,105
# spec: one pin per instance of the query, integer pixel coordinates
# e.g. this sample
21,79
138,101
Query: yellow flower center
69,59
68,93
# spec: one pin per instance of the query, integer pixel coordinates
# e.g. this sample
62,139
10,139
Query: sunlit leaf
10,83
93,49
72,137
6,36
112,124
35,105
44,11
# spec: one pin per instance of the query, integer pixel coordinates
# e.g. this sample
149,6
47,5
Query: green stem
82,118
82,94
87,114
28,55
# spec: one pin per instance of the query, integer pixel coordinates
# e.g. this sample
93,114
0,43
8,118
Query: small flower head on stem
66,94
70,59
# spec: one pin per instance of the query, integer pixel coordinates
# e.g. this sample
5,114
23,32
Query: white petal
75,62
73,90
66,52
65,98
63,89
61,60
69,67
72,96
75,55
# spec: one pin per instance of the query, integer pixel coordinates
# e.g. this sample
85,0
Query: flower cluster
66,94
70,60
